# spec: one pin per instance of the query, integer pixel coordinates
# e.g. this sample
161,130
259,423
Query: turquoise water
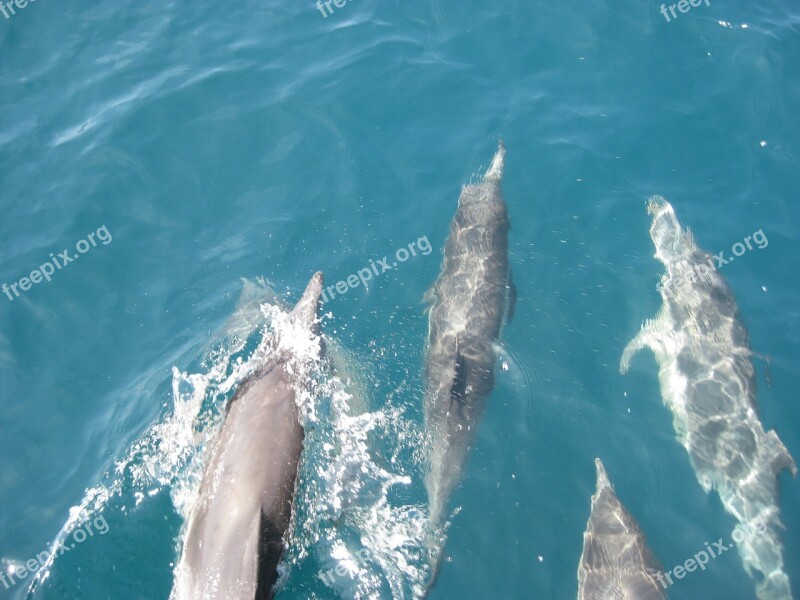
220,142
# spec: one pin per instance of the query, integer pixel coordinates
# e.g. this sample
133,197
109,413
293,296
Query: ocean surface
220,153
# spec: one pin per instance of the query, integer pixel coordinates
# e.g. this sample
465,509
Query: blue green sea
198,159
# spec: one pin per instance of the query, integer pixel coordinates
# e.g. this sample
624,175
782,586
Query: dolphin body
467,303
616,563
235,537
707,380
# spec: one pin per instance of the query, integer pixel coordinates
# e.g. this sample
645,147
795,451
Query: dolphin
616,563
236,534
467,304
707,381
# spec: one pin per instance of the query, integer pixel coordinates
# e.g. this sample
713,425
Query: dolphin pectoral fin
631,349
650,331
429,297
767,367
511,301
779,457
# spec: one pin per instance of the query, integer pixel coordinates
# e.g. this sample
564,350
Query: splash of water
354,458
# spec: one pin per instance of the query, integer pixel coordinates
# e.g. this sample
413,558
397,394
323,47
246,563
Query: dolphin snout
308,305
656,204
495,170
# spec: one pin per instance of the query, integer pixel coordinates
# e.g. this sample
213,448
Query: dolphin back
467,305
616,563
236,535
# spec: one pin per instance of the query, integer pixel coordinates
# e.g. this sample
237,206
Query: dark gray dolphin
616,563
235,536
468,301
708,382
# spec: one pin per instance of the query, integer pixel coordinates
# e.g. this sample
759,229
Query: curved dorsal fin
458,389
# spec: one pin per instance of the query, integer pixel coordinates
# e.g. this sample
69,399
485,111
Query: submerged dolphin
708,382
616,563
468,301
235,537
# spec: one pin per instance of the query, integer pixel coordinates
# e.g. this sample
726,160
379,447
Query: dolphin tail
434,542
436,568
775,585
495,171
305,311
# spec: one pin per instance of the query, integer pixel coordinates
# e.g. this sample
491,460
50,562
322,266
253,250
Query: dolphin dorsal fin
270,551
458,389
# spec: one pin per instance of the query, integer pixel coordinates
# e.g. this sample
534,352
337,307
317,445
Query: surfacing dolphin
707,380
235,536
616,563
467,304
